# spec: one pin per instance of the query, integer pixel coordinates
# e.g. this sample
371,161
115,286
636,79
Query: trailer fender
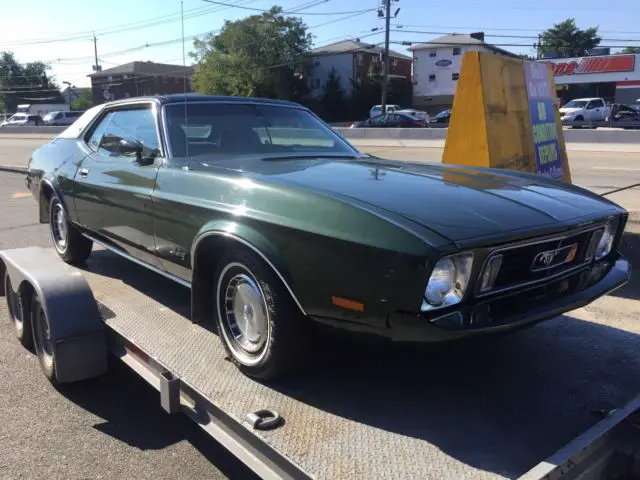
76,328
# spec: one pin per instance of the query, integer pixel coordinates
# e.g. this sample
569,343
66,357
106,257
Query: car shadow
130,412
499,404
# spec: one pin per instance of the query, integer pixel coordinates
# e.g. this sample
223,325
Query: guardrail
427,134
625,124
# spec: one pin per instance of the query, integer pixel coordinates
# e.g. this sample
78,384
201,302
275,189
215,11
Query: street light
68,84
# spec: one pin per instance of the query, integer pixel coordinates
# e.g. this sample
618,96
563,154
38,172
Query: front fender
249,238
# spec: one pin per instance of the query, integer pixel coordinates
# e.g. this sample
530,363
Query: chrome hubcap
59,227
246,313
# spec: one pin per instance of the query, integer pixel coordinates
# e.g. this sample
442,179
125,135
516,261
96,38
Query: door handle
84,172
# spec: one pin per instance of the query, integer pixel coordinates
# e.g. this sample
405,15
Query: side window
599,103
135,124
591,105
456,50
59,116
96,135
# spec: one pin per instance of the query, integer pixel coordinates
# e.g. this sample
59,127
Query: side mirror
130,147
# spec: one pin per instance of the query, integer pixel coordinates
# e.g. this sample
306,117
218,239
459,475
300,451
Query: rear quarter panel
56,163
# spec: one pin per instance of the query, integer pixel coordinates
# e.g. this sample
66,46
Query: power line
287,12
508,36
485,28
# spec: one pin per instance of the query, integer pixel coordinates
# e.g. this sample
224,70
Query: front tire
17,314
69,243
259,325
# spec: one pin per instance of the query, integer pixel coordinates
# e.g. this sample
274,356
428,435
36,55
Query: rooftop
145,68
347,46
458,40
198,97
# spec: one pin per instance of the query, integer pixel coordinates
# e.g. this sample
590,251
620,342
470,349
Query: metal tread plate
324,431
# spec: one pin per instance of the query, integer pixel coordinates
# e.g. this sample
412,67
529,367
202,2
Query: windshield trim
165,123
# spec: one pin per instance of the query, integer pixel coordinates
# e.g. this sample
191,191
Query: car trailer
75,316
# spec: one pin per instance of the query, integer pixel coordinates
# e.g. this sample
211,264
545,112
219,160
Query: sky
60,32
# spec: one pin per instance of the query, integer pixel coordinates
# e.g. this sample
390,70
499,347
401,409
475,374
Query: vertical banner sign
549,159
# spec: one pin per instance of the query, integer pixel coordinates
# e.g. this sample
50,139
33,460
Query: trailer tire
42,339
69,243
262,330
18,314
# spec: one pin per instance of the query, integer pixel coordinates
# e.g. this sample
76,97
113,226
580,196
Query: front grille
518,268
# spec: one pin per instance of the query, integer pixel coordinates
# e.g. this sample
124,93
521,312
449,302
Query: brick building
352,59
137,79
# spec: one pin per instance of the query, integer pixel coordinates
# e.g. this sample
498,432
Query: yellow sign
505,115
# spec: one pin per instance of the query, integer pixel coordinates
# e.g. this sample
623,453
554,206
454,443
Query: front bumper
516,309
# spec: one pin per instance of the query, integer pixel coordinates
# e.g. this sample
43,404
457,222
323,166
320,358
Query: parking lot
494,408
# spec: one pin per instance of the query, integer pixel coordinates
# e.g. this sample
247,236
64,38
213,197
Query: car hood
569,110
459,203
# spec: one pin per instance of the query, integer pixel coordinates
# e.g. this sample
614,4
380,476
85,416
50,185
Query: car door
595,110
113,186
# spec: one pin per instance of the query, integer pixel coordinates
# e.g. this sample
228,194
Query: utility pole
96,67
385,74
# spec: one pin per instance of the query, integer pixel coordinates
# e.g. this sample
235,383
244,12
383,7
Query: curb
12,169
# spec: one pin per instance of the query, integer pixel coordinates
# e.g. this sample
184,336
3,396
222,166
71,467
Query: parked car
22,120
441,117
624,113
584,110
419,114
276,224
391,120
61,118
377,110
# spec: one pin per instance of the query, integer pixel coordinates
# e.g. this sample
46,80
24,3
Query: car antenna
184,87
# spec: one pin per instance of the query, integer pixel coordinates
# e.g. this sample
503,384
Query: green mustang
275,222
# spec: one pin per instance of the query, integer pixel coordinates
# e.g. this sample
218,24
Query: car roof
588,99
199,98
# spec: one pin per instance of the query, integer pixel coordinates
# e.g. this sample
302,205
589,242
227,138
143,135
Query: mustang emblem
554,258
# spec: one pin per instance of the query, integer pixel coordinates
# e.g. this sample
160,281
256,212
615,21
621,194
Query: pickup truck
584,110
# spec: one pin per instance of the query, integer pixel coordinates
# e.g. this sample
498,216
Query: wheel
21,328
579,118
70,244
42,339
260,326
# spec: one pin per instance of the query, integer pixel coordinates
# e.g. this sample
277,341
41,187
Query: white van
61,118
377,110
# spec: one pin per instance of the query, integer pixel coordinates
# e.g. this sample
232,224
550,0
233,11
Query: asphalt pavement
113,427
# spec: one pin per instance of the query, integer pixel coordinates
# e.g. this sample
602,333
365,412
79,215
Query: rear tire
17,314
42,340
260,326
69,243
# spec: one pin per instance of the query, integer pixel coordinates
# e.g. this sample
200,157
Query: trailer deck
473,410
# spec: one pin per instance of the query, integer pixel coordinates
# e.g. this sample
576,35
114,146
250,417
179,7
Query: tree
83,102
333,98
261,55
25,84
631,50
568,40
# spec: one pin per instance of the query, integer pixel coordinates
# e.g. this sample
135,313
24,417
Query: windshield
444,113
49,116
215,128
18,118
576,104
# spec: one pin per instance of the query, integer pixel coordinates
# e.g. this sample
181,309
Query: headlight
448,281
606,241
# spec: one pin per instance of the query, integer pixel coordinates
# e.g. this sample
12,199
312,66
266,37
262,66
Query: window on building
456,50
432,77
394,62
432,53
359,59
455,76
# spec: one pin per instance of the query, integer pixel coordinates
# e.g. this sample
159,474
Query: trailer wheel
42,339
69,243
259,325
17,313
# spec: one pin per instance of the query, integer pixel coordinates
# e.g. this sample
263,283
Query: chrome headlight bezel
448,282
607,239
